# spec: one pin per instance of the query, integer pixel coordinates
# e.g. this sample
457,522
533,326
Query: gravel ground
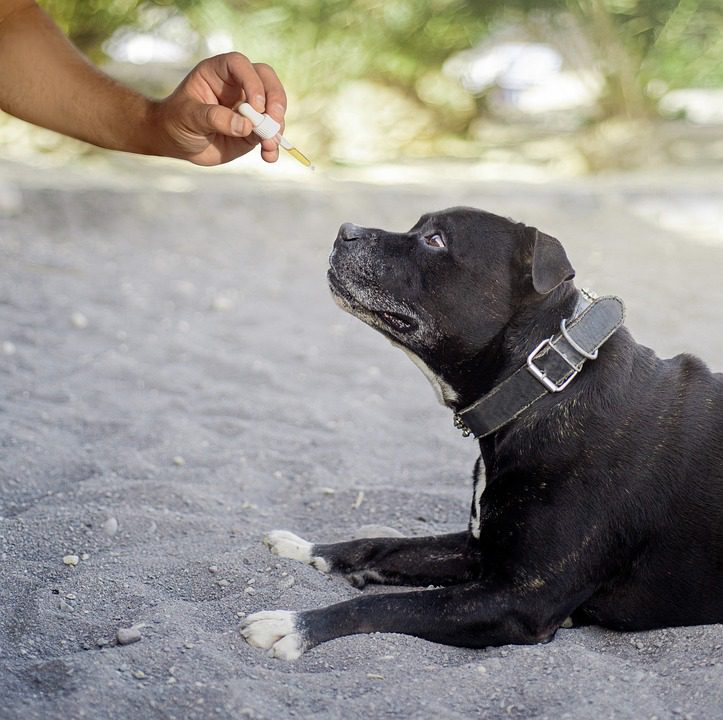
176,381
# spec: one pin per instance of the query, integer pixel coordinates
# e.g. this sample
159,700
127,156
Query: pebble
110,527
79,320
64,606
139,674
85,556
70,596
250,590
127,636
71,560
222,302
213,568
286,583
223,583
179,460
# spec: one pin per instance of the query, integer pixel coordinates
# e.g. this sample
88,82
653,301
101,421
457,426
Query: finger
242,70
218,119
270,150
276,101
232,78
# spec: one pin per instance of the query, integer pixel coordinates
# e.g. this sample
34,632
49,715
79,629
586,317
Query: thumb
219,119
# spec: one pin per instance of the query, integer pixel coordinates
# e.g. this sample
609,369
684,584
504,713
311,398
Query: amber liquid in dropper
299,156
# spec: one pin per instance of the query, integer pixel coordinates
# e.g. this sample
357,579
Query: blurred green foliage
317,44
391,53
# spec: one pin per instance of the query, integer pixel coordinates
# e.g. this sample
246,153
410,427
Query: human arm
46,81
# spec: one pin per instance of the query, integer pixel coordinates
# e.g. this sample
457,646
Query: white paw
275,631
287,545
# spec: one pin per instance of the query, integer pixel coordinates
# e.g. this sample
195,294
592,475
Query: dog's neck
468,379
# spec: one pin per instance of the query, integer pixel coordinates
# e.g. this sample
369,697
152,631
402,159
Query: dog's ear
550,266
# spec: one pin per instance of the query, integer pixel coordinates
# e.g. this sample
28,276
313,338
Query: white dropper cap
267,129
264,125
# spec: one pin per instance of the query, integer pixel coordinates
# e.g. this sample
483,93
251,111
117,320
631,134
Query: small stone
567,623
139,674
64,606
327,491
481,669
179,460
222,302
9,348
286,583
110,527
71,560
79,320
250,590
70,596
223,583
127,636
188,646
375,676
85,556
171,681
213,569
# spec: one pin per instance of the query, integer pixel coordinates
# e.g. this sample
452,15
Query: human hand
199,122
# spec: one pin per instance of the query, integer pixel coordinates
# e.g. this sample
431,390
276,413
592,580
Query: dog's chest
480,483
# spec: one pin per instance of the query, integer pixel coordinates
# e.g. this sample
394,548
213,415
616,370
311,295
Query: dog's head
446,290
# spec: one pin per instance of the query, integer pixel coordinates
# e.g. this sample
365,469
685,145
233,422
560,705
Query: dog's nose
350,231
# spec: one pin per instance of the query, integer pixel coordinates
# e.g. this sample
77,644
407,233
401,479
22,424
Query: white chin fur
275,631
445,393
287,545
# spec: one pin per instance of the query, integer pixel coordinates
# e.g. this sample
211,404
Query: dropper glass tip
300,157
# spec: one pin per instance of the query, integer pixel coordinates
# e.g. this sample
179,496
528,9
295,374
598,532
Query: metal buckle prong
540,374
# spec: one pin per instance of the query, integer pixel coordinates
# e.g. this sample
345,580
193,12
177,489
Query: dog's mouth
396,321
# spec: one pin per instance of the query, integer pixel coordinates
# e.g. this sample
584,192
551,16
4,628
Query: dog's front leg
469,615
432,560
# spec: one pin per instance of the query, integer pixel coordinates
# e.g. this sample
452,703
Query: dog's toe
276,631
287,545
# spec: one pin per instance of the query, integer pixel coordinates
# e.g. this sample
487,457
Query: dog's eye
434,241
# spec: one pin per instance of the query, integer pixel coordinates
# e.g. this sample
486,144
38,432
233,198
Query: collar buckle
549,368
539,373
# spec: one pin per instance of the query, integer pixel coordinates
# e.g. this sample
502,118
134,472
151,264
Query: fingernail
259,102
279,109
237,125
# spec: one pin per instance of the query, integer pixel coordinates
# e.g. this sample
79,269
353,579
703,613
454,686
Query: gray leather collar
550,367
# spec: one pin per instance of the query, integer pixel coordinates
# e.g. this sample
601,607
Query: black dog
599,500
